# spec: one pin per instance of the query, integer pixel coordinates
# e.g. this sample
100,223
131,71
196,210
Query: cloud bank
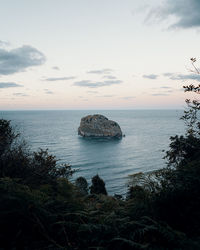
4,43
185,77
185,13
56,68
160,94
20,94
100,72
54,79
92,92
107,96
109,77
165,87
5,85
17,60
90,84
175,76
128,97
152,76
49,92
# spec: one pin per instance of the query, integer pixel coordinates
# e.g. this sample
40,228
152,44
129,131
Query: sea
147,137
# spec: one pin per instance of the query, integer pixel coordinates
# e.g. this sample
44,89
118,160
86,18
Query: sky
97,54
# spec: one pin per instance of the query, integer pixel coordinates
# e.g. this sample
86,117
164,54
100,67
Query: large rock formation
99,126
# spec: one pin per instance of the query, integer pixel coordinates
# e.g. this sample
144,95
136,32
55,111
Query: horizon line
5,110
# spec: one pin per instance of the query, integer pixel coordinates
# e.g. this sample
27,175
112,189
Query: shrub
33,169
98,186
82,185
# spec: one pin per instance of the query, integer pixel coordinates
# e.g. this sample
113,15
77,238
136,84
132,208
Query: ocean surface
147,135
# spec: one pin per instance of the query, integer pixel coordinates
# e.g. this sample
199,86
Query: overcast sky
97,54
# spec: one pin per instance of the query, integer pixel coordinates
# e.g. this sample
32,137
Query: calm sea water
147,134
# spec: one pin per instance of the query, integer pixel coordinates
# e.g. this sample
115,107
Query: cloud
185,77
100,72
185,13
4,43
5,85
109,77
152,76
20,94
168,74
165,90
89,84
107,96
175,76
56,68
92,92
160,94
17,60
128,97
54,79
49,92
165,87
82,98
168,89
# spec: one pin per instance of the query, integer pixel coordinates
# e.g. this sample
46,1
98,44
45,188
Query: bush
33,169
172,194
7,136
98,186
82,185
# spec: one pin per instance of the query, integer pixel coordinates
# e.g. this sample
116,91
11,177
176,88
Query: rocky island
99,126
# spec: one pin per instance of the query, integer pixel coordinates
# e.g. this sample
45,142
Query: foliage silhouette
98,186
172,194
33,169
82,185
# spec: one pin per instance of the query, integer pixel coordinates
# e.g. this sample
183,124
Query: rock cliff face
99,126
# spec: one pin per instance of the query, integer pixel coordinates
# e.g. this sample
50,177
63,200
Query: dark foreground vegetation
41,209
